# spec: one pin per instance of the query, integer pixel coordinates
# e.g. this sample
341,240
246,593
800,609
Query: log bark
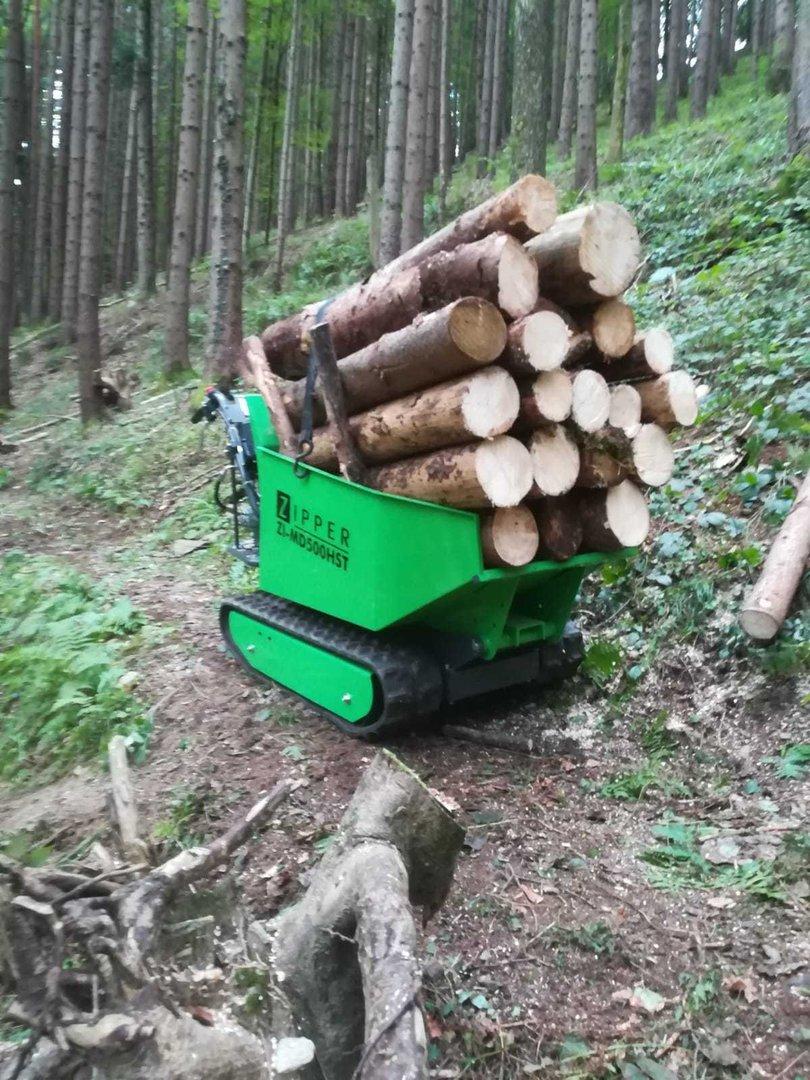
588,254
495,268
526,208
549,401
509,537
559,528
766,606
123,801
256,372
670,400
590,400
348,456
356,318
463,336
346,954
538,342
613,519
612,327
478,406
555,461
496,473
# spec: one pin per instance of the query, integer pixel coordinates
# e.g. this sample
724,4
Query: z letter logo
283,506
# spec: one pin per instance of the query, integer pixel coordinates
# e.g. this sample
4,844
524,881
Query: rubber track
408,680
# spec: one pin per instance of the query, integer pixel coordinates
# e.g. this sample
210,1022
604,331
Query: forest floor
638,907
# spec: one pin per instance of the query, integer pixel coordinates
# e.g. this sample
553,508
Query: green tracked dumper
375,608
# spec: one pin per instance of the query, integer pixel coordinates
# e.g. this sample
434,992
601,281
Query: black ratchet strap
305,434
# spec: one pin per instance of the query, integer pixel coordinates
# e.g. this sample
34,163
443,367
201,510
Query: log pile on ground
495,367
128,970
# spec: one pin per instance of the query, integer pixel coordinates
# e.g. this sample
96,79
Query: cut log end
491,403
653,456
615,518
610,248
670,400
658,349
590,404
504,470
625,409
555,460
552,396
537,200
477,329
509,537
517,280
612,326
759,625
546,340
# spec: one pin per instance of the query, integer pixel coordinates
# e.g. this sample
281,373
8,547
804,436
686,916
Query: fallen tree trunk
555,461
356,317
559,528
669,401
463,336
255,370
528,207
495,473
611,325
477,406
590,400
587,255
496,269
613,519
766,606
346,954
549,400
509,537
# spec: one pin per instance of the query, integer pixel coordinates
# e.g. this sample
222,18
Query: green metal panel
330,681
261,426
355,553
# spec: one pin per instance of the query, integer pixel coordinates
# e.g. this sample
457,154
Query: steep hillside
632,904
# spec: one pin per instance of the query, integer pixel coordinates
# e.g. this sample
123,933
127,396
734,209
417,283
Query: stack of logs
494,367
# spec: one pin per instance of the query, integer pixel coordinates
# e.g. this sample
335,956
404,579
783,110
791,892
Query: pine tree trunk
39,272
498,79
146,161
655,42
528,115
585,162
177,357
344,118
92,237
485,107
717,46
372,133
128,192
225,342
335,92
638,113
13,107
163,235
430,166
73,231
391,220
799,124
568,111
445,131
351,194
61,163
676,47
310,129
702,70
286,170
729,36
558,65
782,59
253,159
616,145
413,183
203,226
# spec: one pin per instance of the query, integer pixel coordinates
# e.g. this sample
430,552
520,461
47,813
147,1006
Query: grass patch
60,698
